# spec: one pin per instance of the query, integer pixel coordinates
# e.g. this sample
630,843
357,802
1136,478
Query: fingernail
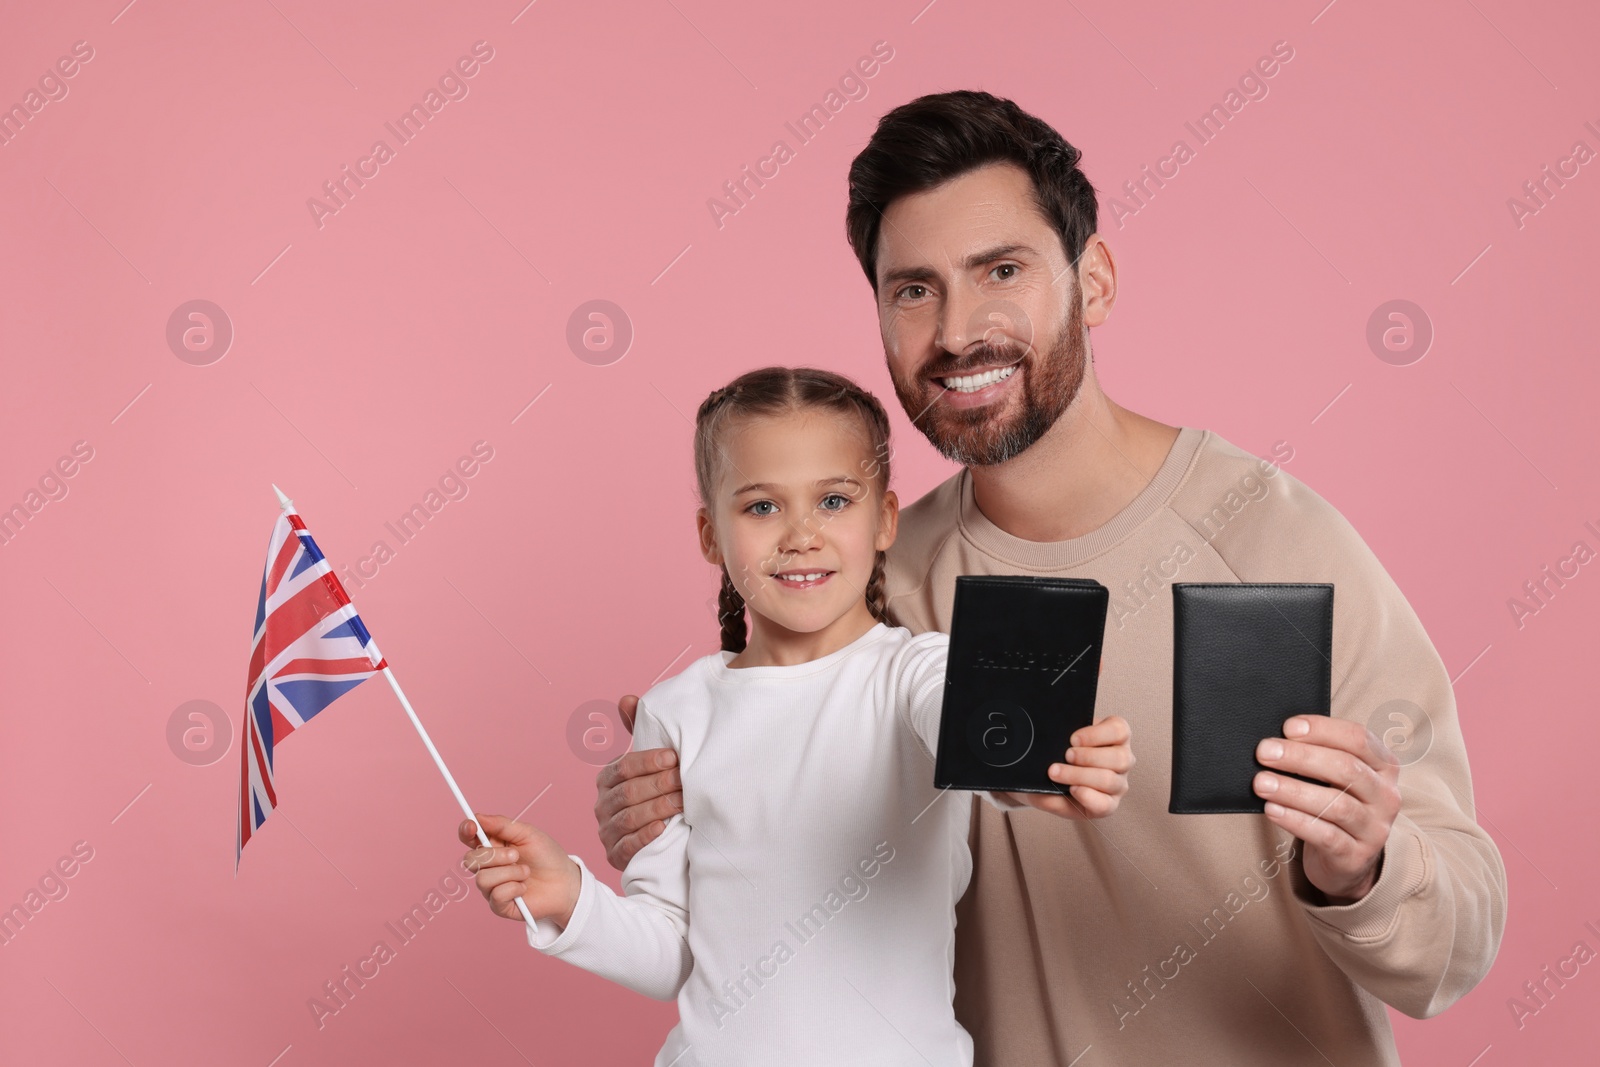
1296,727
1071,756
1275,809
1267,783
1057,771
1271,749
668,758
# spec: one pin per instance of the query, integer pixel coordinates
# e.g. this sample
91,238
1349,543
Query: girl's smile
801,580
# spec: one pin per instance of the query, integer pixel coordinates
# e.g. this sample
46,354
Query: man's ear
708,537
1097,277
889,521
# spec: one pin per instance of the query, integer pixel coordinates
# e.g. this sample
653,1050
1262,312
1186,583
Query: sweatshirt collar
1060,555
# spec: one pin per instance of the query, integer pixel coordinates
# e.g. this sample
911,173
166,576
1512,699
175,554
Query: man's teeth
972,382
802,577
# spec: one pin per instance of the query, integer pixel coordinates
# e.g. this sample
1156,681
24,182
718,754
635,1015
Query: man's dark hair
935,138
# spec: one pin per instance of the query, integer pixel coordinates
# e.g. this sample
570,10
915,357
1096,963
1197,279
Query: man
1153,938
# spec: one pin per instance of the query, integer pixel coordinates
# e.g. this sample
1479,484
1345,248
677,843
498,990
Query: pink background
370,353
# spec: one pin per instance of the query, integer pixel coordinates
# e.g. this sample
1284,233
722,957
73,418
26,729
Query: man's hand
523,862
1095,773
1344,824
639,792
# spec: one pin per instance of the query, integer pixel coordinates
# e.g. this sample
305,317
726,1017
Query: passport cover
1245,657
1024,663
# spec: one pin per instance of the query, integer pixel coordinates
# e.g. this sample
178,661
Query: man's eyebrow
767,487
977,259
989,255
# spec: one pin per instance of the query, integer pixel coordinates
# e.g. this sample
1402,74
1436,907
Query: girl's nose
798,537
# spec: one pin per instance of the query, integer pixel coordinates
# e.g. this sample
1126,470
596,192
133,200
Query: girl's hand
1095,774
524,862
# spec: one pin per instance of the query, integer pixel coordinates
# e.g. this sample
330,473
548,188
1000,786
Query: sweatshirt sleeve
919,696
1430,928
641,939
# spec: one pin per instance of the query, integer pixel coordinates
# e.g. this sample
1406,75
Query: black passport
1023,667
1245,657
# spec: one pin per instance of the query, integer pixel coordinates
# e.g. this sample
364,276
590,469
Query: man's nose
960,327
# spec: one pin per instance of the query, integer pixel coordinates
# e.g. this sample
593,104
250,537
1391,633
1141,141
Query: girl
802,907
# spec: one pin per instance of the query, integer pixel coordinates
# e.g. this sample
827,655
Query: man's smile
975,390
971,383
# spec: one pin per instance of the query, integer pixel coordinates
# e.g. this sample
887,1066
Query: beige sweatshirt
1149,938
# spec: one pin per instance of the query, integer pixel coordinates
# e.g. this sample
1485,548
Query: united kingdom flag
310,649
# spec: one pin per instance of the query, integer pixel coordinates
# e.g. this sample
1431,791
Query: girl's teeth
801,577
970,383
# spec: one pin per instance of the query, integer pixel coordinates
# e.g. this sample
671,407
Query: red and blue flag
310,649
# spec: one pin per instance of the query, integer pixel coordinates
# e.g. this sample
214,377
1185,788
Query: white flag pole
438,760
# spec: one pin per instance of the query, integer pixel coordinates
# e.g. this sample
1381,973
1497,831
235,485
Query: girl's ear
888,521
708,537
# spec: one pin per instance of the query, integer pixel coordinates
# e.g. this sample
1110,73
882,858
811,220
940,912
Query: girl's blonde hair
777,391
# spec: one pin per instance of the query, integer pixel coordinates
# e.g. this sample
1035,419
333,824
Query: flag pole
438,760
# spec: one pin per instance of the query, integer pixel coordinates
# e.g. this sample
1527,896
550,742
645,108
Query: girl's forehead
794,451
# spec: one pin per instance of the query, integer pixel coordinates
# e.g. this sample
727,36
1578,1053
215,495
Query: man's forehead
991,207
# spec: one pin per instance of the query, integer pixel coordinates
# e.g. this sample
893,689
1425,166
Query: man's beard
977,437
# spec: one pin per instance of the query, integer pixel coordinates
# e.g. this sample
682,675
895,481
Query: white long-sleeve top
802,907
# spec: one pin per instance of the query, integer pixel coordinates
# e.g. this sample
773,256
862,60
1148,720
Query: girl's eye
844,501
760,504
